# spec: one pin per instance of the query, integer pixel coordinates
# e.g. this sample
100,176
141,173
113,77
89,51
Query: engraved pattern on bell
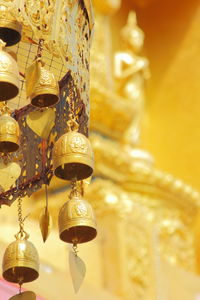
73,157
47,78
81,210
45,90
76,221
9,76
20,262
9,134
78,144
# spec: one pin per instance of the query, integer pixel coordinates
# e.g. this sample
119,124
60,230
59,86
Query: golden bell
76,221
10,31
9,76
9,134
20,262
73,157
45,91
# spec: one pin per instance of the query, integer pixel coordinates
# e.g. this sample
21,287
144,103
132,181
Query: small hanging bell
73,157
76,221
9,75
45,90
20,262
9,133
10,29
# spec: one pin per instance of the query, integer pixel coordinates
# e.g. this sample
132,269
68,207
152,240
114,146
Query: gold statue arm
132,64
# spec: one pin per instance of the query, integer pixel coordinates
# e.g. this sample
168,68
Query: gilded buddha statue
131,71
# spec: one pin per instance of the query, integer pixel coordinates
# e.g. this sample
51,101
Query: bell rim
14,27
65,234
8,274
34,99
15,83
66,175
12,145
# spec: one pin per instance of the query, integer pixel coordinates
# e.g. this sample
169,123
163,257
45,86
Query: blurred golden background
145,131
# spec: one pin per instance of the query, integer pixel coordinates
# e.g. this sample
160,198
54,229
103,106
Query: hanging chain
20,288
39,50
22,233
74,191
47,197
75,249
20,219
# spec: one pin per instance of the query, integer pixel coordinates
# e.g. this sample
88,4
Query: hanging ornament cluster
73,160
52,129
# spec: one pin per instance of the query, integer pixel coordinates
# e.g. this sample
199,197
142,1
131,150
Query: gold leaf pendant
45,224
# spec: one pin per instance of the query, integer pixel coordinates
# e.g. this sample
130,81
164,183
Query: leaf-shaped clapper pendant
24,296
77,269
45,223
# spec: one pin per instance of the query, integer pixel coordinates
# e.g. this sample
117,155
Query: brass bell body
73,157
9,77
20,262
45,91
10,29
76,221
9,134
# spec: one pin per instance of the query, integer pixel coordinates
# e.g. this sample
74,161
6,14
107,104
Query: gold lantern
76,221
9,133
41,86
9,75
73,157
10,29
20,262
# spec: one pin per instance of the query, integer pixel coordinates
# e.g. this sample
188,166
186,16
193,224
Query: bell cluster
73,158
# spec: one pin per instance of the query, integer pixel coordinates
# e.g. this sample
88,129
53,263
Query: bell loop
5,110
22,235
72,123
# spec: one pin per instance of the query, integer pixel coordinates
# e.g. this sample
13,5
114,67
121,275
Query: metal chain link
75,249
40,49
20,219
74,191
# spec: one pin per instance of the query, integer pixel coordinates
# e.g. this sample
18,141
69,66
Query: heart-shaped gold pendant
42,122
9,173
